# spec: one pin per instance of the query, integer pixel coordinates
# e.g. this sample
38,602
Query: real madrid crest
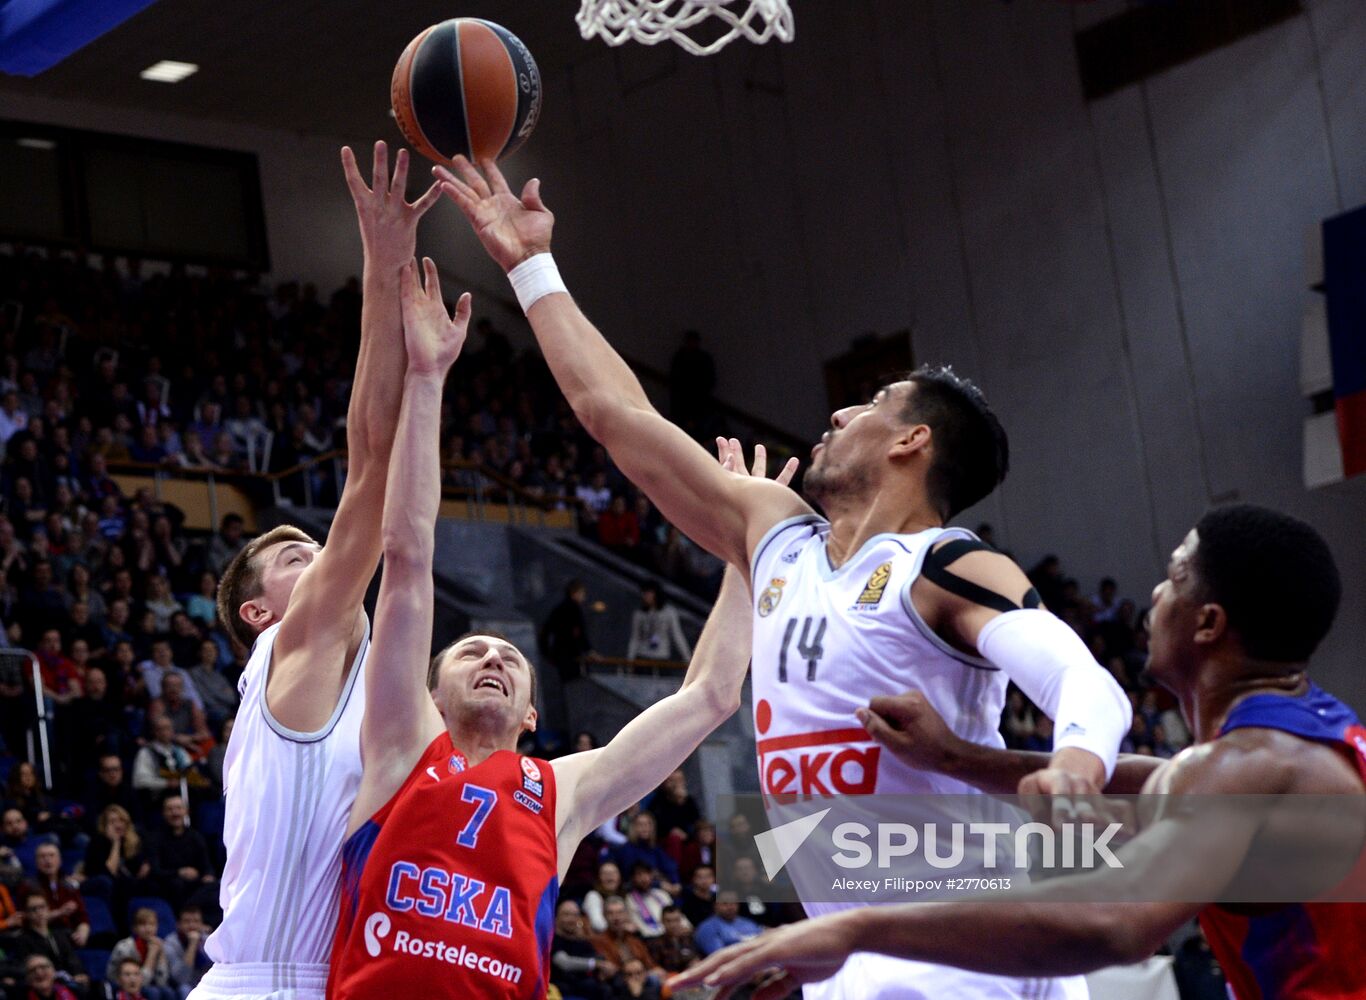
772,594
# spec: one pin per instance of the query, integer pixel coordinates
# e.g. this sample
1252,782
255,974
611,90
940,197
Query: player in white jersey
874,597
293,763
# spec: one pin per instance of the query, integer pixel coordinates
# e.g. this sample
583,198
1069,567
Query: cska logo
877,583
769,599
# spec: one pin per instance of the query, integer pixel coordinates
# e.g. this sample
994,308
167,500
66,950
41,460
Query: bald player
293,764
1248,596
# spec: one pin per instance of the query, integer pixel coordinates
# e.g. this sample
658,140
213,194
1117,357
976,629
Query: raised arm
323,613
980,601
400,717
598,784
726,515
909,727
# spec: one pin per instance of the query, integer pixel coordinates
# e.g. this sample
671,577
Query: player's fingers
876,726
775,988
760,467
462,197
398,184
407,281
497,182
379,174
471,177
788,472
430,198
433,280
354,181
740,966
463,307
531,195
891,707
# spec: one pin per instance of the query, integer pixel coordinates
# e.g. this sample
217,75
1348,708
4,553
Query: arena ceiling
315,66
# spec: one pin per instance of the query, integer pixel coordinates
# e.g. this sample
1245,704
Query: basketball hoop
652,21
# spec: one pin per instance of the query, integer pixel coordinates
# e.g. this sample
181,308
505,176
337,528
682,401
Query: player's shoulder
1255,760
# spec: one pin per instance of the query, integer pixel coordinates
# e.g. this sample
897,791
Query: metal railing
39,743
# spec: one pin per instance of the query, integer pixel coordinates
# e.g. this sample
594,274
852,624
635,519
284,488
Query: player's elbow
1117,938
603,413
407,555
718,702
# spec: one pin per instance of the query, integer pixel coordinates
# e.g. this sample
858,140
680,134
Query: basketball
466,86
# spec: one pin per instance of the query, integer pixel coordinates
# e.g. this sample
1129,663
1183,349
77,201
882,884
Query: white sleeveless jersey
289,798
825,642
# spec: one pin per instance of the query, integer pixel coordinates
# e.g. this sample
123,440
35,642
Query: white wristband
535,278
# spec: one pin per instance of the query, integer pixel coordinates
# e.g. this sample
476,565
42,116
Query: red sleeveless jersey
1301,951
449,890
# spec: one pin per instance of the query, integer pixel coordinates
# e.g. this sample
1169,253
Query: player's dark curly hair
971,452
1274,577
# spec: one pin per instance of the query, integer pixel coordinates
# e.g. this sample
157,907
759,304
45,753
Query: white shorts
262,981
869,976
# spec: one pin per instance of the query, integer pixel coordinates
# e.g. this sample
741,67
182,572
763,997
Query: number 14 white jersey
827,640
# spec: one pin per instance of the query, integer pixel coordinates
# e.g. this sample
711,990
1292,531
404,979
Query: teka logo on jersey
376,927
819,763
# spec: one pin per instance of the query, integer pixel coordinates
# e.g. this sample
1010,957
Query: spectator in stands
81,624
749,890
43,605
13,418
575,967
692,380
698,899
620,943
641,846
153,672
595,495
39,939
184,949
220,697
40,976
23,792
18,842
675,950
618,528
66,908
645,902
129,981
159,764
201,605
1105,603
674,809
179,855
191,728
61,679
161,601
143,946
109,788
114,856
227,543
656,632
11,918
636,982
213,765
564,636
698,850
185,640
726,926
607,886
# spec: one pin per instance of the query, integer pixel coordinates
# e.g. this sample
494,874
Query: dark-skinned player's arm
597,784
1044,930
909,727
325,613
726,515
979,601
400,717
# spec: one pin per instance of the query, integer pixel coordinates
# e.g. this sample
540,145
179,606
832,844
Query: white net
652,21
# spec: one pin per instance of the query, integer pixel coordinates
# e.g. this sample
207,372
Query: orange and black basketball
466,86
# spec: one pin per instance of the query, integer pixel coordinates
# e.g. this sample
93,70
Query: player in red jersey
1248,596
451,871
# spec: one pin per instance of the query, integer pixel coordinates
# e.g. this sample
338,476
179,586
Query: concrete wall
1125,278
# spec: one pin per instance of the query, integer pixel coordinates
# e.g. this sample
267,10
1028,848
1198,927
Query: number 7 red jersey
449,890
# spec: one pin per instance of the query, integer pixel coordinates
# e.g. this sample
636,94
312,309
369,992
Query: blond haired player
293,764
874,597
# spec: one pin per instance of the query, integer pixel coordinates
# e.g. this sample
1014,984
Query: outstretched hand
805,952
388,221
732,457
432,337
511,228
